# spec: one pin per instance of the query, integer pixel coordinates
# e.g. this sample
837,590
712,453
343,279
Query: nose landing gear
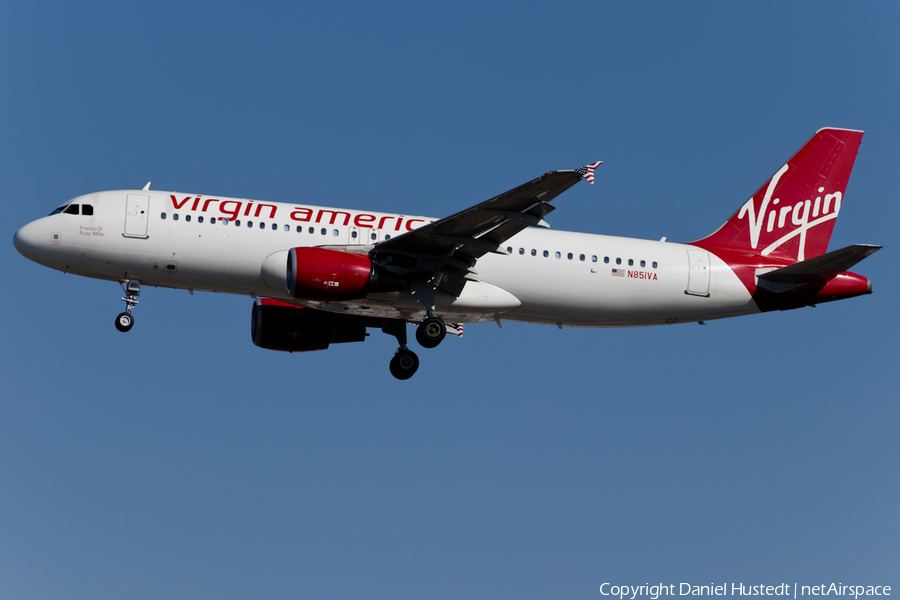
125,320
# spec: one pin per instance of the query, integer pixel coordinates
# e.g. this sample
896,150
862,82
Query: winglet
587,172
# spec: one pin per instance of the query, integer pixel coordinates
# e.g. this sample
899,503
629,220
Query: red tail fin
792,215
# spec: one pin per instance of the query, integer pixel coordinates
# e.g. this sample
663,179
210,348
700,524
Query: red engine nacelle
277,325
320,274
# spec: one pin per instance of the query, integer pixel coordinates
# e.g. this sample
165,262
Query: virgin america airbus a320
322,276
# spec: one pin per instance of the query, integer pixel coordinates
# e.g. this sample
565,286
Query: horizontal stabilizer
821,267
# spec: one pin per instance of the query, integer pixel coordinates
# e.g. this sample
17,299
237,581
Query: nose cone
25,240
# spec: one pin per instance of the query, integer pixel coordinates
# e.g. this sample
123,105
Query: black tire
404,364
431,332
124,322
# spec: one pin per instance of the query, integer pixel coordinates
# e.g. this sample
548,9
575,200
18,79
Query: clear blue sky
180,461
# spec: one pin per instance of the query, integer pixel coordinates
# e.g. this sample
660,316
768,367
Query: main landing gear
125,320
429,334
404,364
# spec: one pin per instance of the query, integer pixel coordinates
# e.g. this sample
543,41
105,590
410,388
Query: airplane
322,276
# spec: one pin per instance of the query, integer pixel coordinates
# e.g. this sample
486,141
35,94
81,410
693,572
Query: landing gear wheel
404,364
124,322
431,332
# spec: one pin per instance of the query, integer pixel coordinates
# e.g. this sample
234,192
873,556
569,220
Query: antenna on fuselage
147,187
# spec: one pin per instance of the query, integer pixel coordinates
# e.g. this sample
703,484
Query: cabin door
698,273
137,213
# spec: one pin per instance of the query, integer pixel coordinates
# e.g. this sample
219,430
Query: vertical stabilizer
792,215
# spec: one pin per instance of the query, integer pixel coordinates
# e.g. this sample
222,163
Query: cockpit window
72,209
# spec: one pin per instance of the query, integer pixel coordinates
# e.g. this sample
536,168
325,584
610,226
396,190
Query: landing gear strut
431,332
125,320
405,362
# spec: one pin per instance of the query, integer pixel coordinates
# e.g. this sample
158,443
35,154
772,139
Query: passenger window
558,255
336,232
654,264
618,261
643,263
312,229
274,226
299,229
533,252
606,260
224,221
212,221
199,219
569,256
581,257
509,249
174,216
187,218
353,234
387,237
374,236
237,223
162,216
87,209
546,253
521,250
324,231
71,209
262,225
630,262
594,258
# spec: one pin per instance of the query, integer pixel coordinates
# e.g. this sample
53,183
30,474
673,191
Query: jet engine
277,325
322,274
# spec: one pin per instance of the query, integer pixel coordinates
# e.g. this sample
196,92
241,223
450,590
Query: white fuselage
238,246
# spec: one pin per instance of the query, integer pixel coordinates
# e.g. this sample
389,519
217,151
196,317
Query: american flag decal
588,171
618,272
456,328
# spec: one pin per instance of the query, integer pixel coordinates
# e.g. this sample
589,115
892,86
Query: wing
450,247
